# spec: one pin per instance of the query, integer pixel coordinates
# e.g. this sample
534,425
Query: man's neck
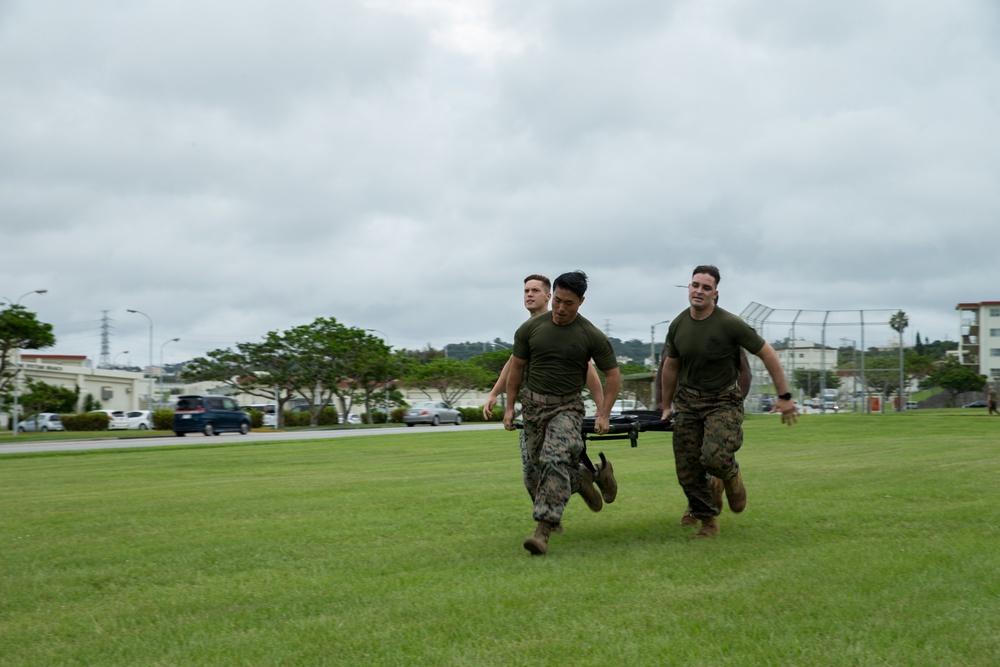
538,311
702,314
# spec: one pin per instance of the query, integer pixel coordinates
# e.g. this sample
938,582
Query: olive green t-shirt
709,349
557,355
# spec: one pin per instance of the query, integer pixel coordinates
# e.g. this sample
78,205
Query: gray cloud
235,168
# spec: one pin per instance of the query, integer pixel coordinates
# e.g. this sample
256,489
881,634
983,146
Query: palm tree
898,323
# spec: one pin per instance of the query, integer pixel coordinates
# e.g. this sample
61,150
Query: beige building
116,390
979,340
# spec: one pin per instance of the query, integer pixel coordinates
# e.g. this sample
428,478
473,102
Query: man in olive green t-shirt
700,389
556,348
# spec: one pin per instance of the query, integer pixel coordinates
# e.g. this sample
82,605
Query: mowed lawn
868,540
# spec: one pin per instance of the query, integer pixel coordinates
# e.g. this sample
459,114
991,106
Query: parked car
350,419
41,422
141,420
117,421
210,415
431,412
269,418
911,405
622,405
975,404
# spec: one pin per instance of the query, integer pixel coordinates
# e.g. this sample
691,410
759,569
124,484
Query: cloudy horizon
231,169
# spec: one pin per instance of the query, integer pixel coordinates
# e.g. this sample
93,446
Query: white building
116,390
979,337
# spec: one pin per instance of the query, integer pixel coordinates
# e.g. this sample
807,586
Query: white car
117,421
622,405
350,419
42,422
141,420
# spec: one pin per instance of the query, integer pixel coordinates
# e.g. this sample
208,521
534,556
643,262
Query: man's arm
668,383
612,383
594,384
773,365
515,375
500,386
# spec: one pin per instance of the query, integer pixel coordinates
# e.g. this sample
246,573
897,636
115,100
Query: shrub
328,417
397,415
296,418
86,421
471,414
256,418
163,419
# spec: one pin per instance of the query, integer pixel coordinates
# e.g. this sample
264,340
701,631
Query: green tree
19,330
808,380
372,369
956,379
492,361
882,375
44,397
258,369
449,378
326,354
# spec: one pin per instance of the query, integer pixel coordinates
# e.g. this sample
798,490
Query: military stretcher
627,425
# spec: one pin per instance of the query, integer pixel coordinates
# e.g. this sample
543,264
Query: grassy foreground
868,540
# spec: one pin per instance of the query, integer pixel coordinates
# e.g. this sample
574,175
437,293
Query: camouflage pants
550,455
707,434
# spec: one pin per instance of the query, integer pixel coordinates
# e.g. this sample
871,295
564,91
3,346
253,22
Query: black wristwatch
786,396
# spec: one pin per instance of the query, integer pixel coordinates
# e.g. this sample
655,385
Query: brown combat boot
709,528
538,543
718,488
605,480
589,492
736,493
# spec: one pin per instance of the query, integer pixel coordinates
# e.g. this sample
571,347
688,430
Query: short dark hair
540,278
710,270
574,281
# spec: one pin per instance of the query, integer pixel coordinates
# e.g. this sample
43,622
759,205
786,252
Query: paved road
198,439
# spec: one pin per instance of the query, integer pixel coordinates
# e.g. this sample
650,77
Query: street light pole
139,312
114,360
387,414
172,340
17,361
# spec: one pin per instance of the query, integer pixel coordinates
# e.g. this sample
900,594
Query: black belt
550,399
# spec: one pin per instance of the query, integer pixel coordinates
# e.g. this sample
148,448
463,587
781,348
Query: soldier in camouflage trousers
699,381
707,434
553,441
551,356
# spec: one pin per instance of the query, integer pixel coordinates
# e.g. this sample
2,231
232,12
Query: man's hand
788,410
601,424
508,418
666,414
491,400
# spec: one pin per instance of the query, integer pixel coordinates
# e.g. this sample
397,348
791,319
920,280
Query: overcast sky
231,168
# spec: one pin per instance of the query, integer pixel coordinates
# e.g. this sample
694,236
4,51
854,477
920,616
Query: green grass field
868,540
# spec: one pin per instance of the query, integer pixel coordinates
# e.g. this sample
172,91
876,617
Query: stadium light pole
388,415
17,362
139,312
172,340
